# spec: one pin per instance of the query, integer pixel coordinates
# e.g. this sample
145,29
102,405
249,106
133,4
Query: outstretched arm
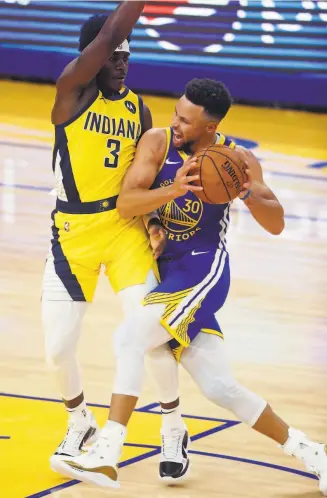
259,198
115,30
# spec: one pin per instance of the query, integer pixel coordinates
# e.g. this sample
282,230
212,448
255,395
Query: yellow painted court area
35,427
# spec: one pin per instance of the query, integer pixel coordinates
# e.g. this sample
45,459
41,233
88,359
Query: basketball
222,174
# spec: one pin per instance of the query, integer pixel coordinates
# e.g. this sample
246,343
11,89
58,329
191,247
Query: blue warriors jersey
191,225
194,267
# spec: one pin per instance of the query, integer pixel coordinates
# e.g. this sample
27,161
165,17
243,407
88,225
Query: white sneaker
174,462
99,465
315,460
313,455
82,430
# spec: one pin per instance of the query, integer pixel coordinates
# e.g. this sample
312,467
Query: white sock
79,414
172,419
116,428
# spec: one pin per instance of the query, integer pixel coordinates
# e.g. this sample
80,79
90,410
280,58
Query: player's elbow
278,226
277,230
123,208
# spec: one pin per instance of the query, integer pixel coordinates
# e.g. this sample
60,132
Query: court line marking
55,400
234,210
275,173
155,450
256,462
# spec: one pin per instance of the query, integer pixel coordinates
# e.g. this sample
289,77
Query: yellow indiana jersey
93,150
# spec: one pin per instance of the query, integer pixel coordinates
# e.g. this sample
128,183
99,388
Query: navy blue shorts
193,288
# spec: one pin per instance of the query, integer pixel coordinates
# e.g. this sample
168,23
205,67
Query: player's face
190,125
114,72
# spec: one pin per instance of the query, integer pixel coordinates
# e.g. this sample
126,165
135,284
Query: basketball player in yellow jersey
98,122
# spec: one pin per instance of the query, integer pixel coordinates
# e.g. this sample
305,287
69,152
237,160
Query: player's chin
178,141
117,84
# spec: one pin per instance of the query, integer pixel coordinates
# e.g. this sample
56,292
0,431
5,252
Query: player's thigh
130,258
206,360
208,325
75,257
141,329
191,293
131,297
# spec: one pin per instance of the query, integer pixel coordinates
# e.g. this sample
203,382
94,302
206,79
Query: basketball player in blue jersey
194,271
98,122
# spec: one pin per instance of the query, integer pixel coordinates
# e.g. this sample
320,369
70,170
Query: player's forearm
267,212
119,25
140,201
114,31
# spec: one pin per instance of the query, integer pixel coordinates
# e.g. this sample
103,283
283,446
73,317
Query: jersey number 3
114,148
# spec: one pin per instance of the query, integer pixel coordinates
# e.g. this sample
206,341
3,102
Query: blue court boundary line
234,210
155,450
275,173
256,462
144,409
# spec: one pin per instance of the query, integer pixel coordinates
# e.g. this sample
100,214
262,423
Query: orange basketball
222,174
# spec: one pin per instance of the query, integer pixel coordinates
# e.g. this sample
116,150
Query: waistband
87,207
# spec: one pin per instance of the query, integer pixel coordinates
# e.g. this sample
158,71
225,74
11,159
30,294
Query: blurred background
272,55
267,51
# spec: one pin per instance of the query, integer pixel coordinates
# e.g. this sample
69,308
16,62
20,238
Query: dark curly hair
90,30
212,95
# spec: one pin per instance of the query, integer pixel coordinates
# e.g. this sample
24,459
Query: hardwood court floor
274,322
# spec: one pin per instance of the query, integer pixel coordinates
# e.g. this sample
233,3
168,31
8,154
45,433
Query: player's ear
211,126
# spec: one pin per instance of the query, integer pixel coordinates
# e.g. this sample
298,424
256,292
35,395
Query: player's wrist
245,195
154,222
173,192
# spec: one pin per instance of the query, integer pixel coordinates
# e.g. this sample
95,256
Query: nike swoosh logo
168,161
196,253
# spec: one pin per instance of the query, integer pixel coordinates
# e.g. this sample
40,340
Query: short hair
90,30
212,95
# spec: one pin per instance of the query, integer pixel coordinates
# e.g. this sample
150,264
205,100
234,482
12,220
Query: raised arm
135,198
147,118
115,30
259,198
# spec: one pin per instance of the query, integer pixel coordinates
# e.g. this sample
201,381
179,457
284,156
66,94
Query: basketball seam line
222,180
230,159
205,195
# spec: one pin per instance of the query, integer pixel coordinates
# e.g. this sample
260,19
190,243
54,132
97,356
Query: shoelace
171,446
72,442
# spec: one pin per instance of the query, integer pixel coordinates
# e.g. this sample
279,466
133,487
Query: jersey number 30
114,148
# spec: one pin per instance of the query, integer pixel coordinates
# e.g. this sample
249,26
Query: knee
57,354
128,339
141,332
222,391
227,393
62,326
